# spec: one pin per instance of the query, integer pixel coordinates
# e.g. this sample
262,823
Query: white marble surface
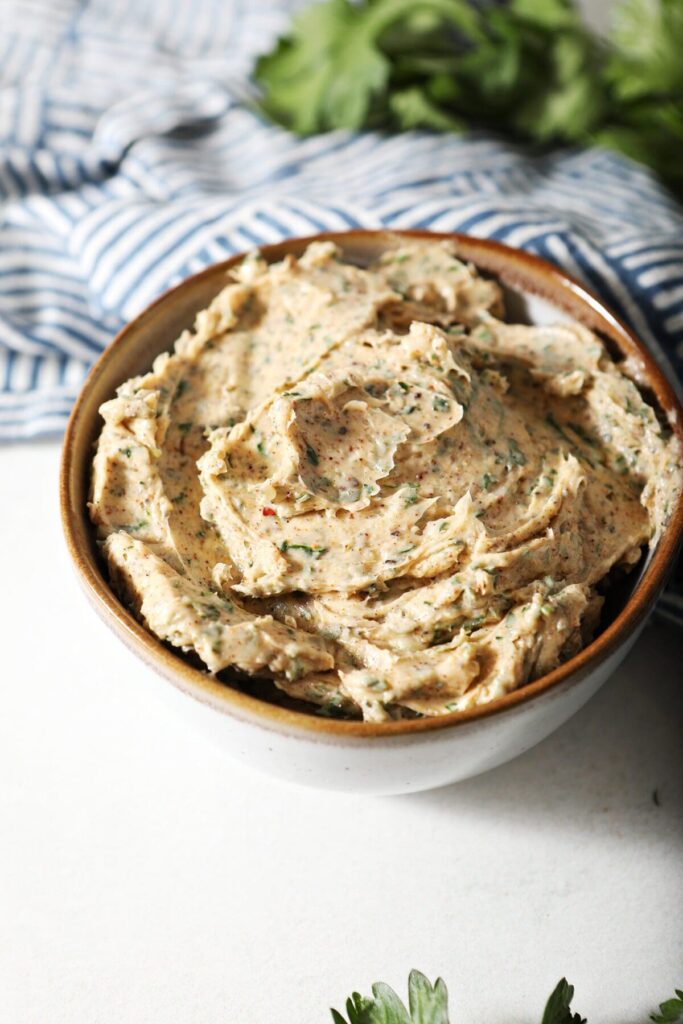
146,880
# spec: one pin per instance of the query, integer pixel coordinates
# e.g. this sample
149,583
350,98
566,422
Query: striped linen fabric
131,156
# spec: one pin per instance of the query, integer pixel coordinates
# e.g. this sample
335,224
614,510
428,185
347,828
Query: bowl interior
535,293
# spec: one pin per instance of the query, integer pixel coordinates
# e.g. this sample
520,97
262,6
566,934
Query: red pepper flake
266,511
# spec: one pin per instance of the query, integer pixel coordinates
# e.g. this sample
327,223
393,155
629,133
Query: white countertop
145,878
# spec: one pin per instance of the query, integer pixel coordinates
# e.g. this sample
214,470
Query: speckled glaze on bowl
393,757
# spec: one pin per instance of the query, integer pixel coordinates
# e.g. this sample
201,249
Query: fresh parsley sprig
530,69
558,1008
671,1011
428,1004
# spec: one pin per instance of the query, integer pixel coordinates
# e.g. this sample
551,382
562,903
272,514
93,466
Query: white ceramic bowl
394,757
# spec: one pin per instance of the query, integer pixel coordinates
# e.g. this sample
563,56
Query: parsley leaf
428,1004
314,551
412,108
647,53
558,1008
325,73
356,1008
312,455
671,1011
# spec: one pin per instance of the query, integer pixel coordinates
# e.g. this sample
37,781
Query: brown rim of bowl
514,267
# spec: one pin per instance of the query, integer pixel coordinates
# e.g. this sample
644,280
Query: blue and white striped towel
129,158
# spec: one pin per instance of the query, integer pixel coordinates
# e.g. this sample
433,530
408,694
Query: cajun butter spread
365,486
